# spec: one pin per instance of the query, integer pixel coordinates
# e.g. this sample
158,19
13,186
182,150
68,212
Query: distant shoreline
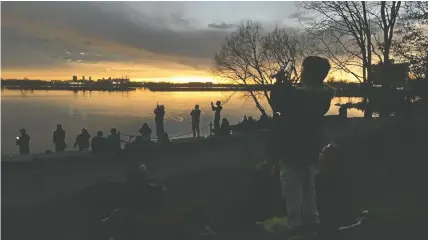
156,89
70,88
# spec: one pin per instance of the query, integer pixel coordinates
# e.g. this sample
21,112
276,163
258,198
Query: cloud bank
65,35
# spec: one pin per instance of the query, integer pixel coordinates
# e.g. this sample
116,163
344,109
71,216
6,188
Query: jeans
298,187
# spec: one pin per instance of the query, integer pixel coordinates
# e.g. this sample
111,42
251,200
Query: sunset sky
160,41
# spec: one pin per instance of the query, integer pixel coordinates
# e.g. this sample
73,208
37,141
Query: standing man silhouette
298,139
217,110
196,116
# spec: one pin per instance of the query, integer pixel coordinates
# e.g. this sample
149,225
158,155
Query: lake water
40,111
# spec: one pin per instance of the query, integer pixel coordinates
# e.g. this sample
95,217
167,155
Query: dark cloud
300,15
88,24
221,26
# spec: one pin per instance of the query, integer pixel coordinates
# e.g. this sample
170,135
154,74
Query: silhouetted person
159,116
334,192
59,139
196,116
82,140
217,110
343,111
145,132
114,139
143,197
280,87
225,127
298,139
99,143
23,142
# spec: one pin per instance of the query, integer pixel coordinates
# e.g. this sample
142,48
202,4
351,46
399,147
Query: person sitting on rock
225,127
82,140
146,214
114,139
99,143
145,132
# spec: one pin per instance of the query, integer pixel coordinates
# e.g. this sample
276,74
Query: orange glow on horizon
165,71
157,75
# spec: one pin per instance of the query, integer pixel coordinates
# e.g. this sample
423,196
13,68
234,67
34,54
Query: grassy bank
387,164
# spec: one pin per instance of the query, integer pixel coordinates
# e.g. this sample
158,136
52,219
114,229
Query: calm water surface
40,111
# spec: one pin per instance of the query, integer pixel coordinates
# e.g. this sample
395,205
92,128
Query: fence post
211,129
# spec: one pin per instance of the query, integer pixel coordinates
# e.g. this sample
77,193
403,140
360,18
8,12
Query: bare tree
351,33
251,56
412,46
342,34
385,15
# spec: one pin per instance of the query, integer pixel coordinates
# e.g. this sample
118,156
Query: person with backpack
100,144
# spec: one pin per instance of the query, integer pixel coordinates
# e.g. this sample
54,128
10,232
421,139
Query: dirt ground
388,169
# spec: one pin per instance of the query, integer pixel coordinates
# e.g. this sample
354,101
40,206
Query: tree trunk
258,105
368,110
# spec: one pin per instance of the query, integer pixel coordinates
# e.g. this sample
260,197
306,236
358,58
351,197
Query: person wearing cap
217,109
23,142
82,140
59,138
